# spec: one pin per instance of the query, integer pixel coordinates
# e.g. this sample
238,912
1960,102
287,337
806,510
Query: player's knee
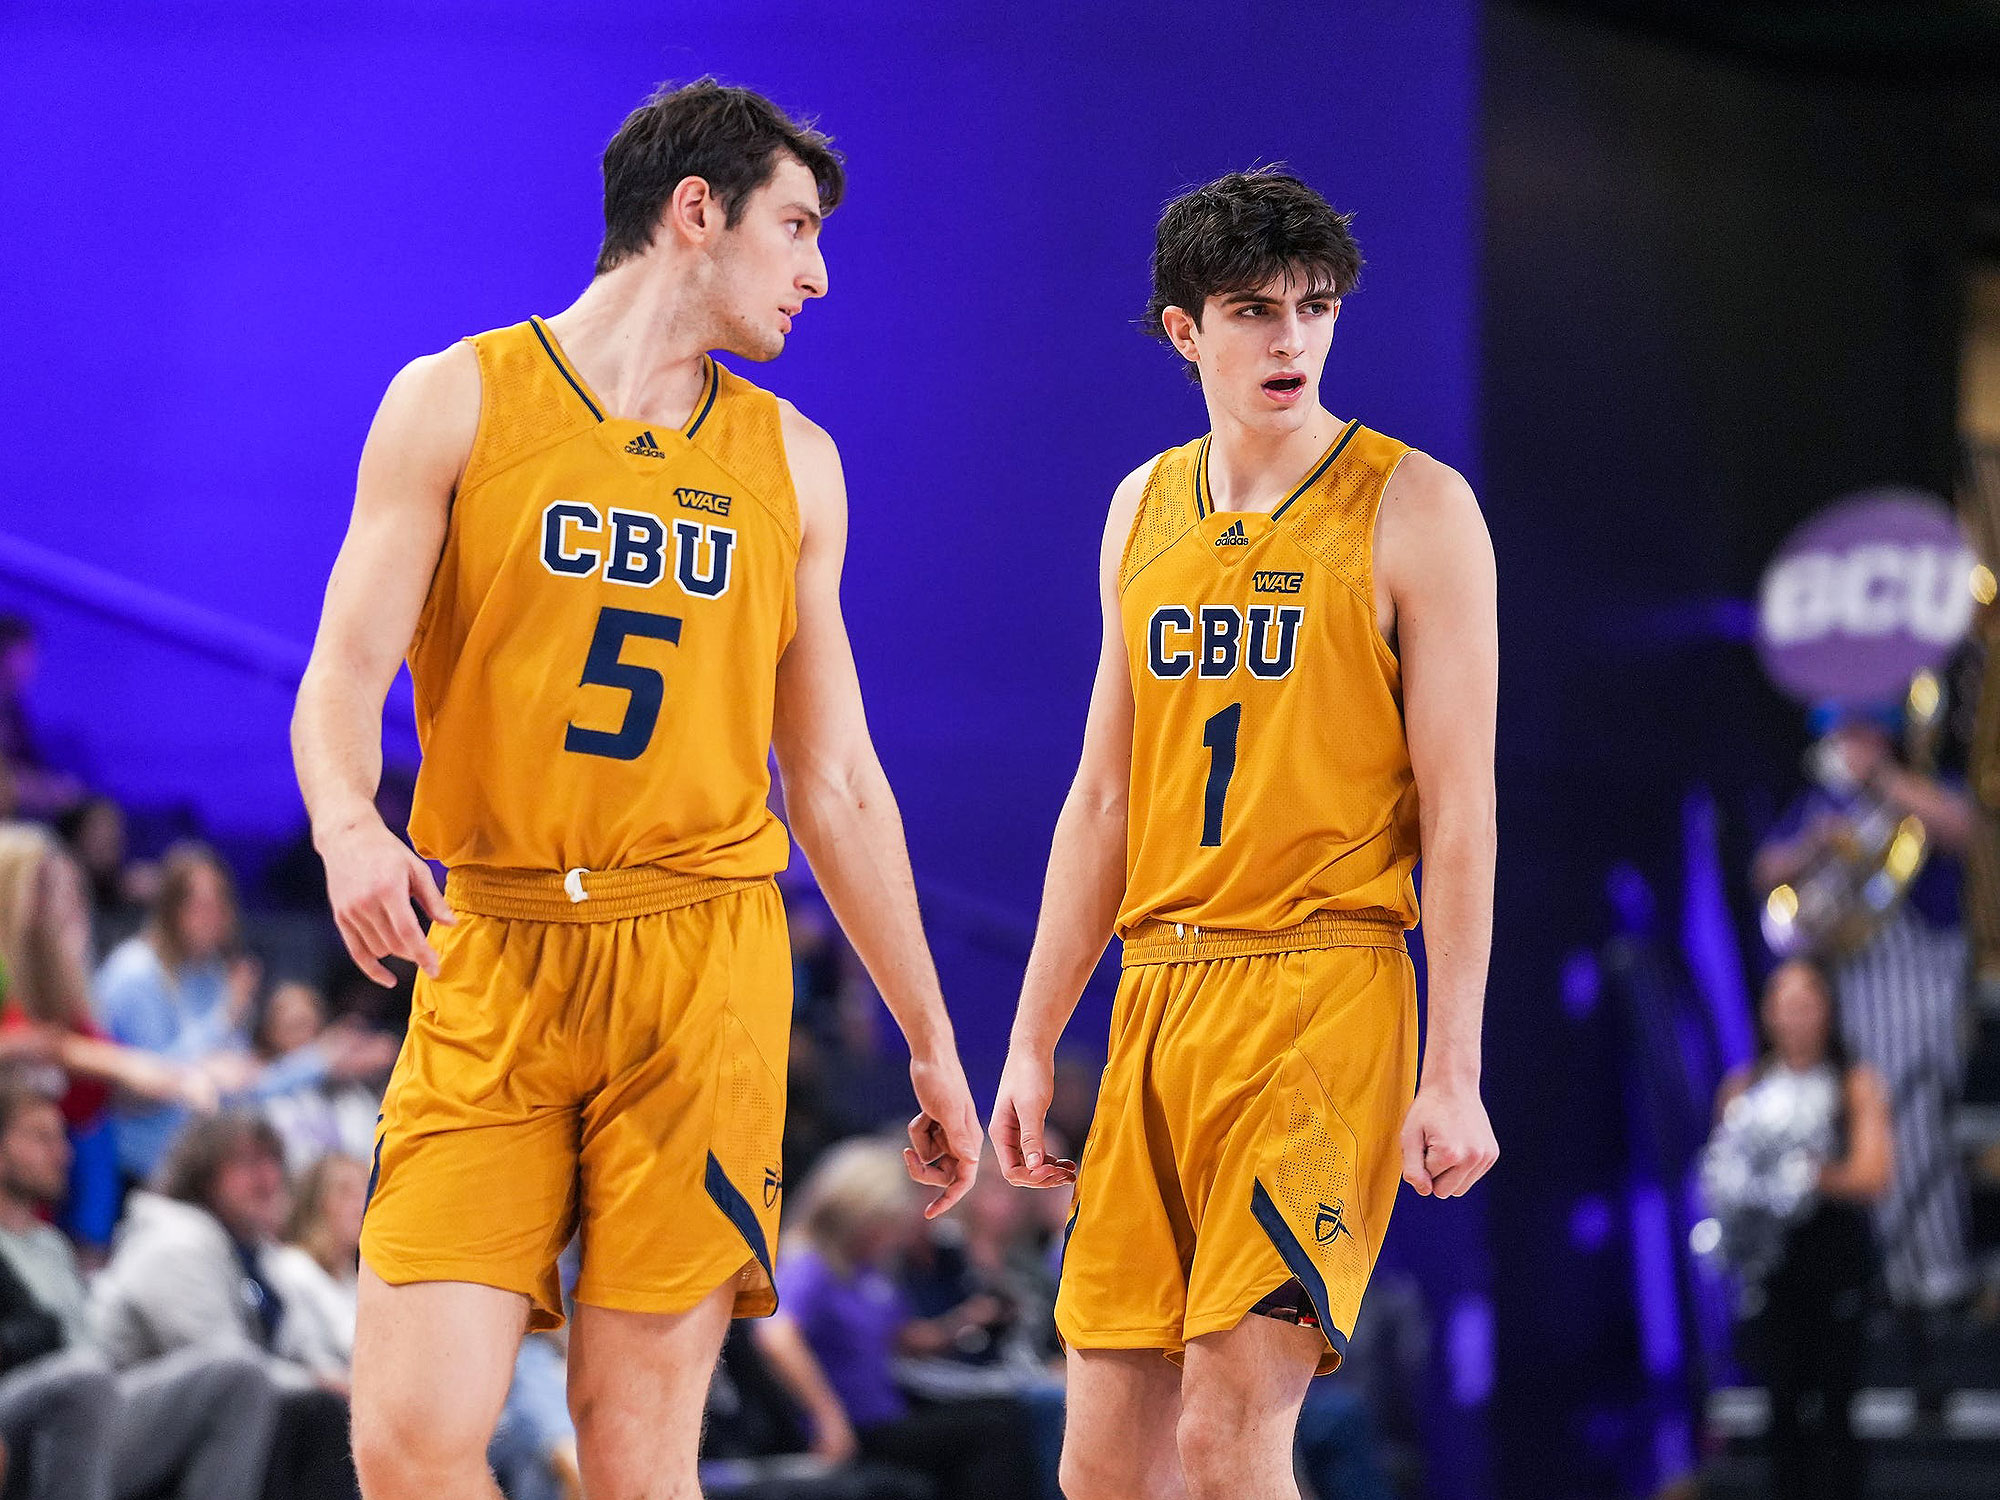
1091,1471
1217,1440
414,1450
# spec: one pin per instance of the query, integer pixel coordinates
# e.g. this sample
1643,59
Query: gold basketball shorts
615,1064
1246,1132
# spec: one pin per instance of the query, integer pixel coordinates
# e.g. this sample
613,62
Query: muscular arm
845,819
1085,881
410,466
1435,560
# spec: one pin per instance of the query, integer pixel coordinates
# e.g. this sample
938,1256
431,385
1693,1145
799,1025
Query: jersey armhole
474,472
1139,514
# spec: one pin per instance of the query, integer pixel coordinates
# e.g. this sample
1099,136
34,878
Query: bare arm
410,466
798,1370
1084,885
845,819
1862,1175
1436,561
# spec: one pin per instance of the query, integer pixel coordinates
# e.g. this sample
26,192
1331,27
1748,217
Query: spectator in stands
317,1269
328,1106
45,1015
200,1417
843,1322
183,990
1806,1337
120,890
534,1444
39,789
191,1268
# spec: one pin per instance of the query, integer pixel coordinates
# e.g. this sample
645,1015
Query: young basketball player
1295,695
614,568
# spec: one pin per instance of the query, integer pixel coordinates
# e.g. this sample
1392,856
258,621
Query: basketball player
1295,695
614,568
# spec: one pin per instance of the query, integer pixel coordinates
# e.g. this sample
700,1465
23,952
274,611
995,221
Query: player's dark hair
1237,233
731,138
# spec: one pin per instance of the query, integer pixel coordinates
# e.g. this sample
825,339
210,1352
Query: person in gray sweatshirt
199,1417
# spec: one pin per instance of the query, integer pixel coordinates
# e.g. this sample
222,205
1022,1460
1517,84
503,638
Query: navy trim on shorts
737,1209
1297,1261
1068,1230
375,1168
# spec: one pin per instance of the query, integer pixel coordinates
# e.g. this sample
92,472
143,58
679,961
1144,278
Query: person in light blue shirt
182,989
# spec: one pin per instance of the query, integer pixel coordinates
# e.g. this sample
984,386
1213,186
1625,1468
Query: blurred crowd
190,1076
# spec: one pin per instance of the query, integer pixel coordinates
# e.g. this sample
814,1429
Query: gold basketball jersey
596,662
1270,772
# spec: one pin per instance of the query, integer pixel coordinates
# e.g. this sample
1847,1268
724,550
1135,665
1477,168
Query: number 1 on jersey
1219,734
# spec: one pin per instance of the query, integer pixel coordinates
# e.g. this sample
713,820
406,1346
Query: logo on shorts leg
1328,1224
773,1185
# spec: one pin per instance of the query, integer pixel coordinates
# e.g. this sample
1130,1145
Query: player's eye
1315,308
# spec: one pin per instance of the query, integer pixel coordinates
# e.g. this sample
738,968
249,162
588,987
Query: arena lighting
1984,586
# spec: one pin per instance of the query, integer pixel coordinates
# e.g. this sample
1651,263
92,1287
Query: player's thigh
432,1363
1124,1407
1241,1390
637,1384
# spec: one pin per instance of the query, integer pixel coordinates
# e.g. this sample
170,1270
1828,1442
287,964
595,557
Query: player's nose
813,282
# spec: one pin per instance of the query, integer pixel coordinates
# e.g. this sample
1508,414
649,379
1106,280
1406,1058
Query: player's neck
639,339
1252,469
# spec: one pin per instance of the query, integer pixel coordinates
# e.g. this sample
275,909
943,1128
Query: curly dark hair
729,137
1238,232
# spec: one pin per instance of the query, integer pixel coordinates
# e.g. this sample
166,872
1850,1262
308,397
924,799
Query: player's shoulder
805,440
430,412
448,375
1428,484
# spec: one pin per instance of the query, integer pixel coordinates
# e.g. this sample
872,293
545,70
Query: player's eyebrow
811,213
1258,299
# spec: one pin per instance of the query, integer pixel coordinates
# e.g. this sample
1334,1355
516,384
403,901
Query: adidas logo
1233,537
645,447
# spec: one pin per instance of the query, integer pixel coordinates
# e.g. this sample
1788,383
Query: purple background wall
227,232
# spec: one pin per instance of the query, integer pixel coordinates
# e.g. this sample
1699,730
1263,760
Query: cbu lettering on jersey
1271,776
596,662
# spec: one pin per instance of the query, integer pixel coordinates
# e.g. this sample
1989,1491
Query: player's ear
1180,327
693,212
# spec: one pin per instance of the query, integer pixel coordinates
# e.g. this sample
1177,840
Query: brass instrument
1862,872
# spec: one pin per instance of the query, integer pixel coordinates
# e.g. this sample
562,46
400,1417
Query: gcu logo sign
1873,589
1864,596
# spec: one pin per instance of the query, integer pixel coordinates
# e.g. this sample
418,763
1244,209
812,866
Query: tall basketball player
614,569
1295,695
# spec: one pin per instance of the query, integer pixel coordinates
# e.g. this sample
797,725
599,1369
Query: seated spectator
201,1419
843,1321
182,990
39,790
120,891
45,1017
191,1268
332,1103
317,1269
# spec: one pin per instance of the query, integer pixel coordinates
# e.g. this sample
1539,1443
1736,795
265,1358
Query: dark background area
1720,285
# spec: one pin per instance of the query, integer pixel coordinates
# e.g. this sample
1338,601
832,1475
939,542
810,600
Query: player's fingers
1413,1161
963,1175
1051,1174
410,940
1454,1181
424,886
931,1173
1004,1130
361,951
1031,1141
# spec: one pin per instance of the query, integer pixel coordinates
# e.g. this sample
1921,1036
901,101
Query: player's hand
1027,1084
1447,1142
371,878
944,1137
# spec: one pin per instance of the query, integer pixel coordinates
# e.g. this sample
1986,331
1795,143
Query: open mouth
1285,385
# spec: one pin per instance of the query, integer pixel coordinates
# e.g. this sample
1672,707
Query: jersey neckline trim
1204,503
711,382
